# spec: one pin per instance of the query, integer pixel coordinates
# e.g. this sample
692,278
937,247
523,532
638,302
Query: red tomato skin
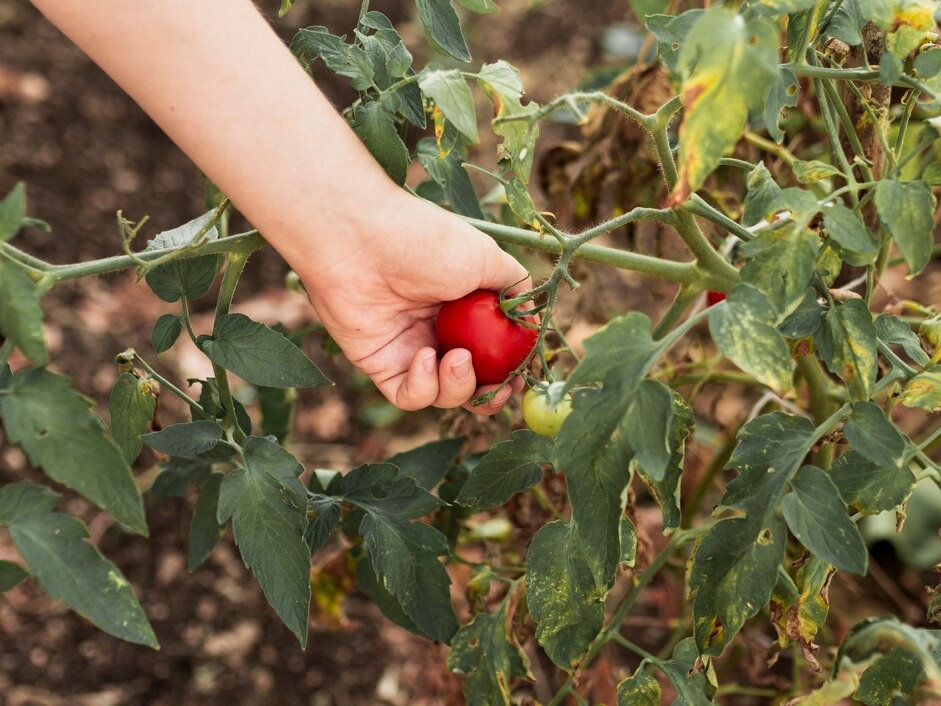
713,297
497,344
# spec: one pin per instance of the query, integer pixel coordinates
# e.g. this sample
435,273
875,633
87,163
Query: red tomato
497,344
713,297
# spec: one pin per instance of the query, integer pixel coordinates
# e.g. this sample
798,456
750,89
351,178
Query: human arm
376,261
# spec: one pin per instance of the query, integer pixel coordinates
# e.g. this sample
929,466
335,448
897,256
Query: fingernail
462,367
428,362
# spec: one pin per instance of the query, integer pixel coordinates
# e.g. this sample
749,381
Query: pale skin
376,261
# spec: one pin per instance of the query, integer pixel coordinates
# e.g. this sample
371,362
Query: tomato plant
545,408
498,345
807,138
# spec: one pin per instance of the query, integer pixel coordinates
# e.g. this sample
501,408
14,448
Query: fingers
447,384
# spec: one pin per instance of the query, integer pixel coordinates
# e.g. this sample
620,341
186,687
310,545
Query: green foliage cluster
822,452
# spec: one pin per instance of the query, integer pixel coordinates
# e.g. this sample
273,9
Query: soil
86,151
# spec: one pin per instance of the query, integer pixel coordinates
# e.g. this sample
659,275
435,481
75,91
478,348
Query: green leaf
928,63
12,211
847,345
485,653
481,6
846,24
428,464
781,266
691,685
53,424
259,354
404,554
188,440
449,90
874,436
375,126
667,489
628,540
732,576
561,594
189,277
443,27
816,515
895,332
11,575
729,78
268,508
344,59
449,173
286,5
211,403
509,467
907,211
132,405
624,344
205,529
805,320
743,329
924,390
855,243
893,675
68,567
167,329
326,515
387,53
177,475
20,313
868,487
642,689
370,584
277,411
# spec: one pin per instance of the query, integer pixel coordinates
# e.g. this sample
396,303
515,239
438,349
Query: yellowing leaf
729,67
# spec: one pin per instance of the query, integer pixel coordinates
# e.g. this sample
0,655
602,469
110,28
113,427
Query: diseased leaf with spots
488,657
131,408
874,436
56,549
561,594
847,345
852,239
666,490
624,344
449,90
501,82
924,390
732,576
641,689
780,264
893,675
868,487
691,685
730,78
744,330
800,615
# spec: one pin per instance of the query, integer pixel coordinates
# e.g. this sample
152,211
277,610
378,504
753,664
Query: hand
379,299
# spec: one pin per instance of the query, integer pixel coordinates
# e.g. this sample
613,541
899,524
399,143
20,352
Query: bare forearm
224,87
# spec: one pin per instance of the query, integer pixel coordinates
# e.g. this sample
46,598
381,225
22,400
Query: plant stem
682,272
198,411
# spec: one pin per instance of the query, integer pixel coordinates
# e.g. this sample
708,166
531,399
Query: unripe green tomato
543,411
